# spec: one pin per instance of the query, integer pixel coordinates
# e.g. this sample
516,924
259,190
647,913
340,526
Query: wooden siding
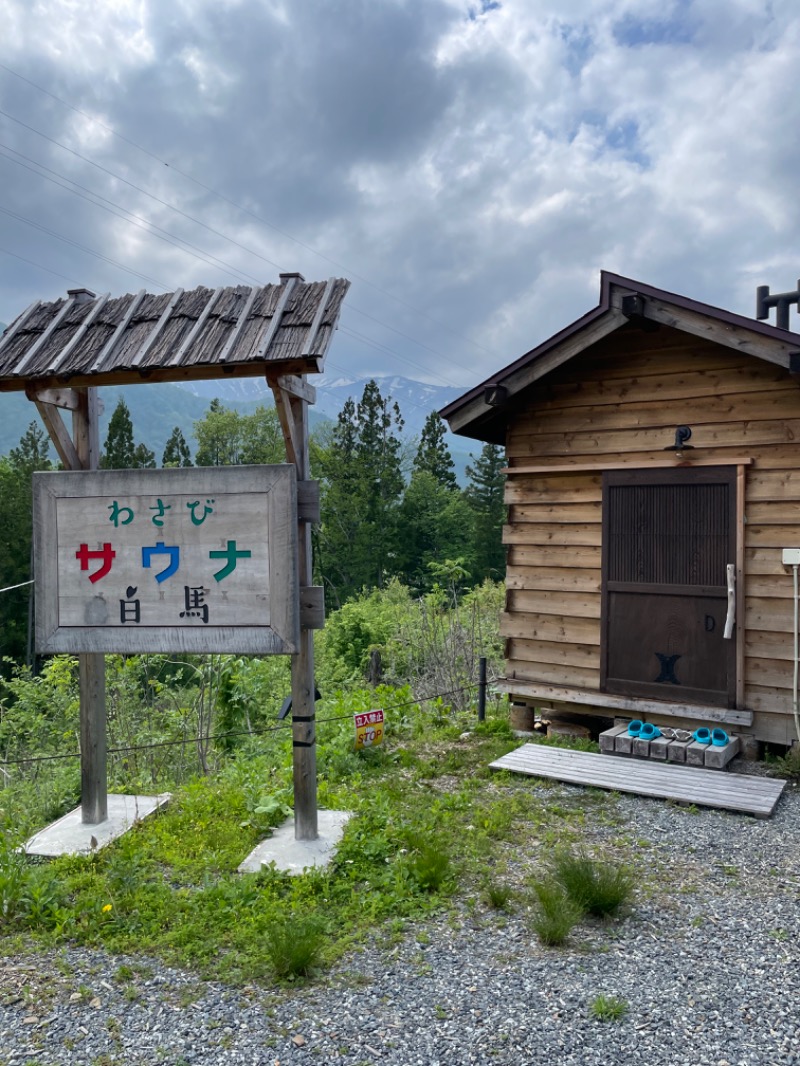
620,402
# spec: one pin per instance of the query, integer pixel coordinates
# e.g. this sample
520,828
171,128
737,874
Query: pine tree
143,458
362,483
379,451
433,454
119,446
437,524
484,494
31,454
176,452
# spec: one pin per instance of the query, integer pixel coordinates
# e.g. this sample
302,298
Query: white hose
796,656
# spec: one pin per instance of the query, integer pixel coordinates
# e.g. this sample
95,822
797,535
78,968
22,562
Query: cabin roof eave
471,415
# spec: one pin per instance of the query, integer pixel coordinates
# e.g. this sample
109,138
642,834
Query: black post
482,689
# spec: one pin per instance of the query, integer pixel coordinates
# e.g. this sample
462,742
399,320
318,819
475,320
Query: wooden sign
181,560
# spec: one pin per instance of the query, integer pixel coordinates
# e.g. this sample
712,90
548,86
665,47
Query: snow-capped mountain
416,399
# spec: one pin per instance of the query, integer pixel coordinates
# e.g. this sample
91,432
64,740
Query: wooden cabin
645,566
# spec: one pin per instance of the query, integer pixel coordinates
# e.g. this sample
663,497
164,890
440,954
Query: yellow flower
107,908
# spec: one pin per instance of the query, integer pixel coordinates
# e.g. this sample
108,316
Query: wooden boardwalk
684,784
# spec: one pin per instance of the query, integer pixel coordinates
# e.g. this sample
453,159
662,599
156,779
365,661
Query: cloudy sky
471,165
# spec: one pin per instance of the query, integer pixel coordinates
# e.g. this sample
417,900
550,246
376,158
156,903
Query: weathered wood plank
639,408
570,604
637,708
551,674
603,384
766,645
765,485
768,562
771,673
768,615
586,656
740,434
529,577
707,788
555,535
551,627
636,356
554,489
547,514
764,514
773,537
558,555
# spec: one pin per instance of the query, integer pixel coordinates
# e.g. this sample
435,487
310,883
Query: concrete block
718,758
659,748
676,752
641,748
608,739
623,743
696,753
295,856
71,836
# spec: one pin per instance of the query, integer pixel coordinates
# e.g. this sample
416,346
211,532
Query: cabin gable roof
483,412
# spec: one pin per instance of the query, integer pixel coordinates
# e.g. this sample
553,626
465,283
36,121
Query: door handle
730,618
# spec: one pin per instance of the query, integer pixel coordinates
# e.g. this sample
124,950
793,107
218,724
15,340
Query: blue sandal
702,735
635,727
649,731
719,738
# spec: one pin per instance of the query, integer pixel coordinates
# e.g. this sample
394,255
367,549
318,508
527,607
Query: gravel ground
708,962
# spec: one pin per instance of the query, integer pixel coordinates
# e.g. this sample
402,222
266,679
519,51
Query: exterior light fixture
682,434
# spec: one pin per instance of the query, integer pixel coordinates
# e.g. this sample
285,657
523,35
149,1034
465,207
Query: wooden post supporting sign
81,451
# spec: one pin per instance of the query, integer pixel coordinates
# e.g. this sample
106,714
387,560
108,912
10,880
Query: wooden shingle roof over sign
241,331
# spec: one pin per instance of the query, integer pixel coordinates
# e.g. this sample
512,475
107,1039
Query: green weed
555,915
598,888
608,1008
294,945
429,863
498,896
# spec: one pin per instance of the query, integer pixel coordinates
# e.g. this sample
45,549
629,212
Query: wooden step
682,784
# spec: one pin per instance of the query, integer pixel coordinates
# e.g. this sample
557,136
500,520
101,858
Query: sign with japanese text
184,560
369,729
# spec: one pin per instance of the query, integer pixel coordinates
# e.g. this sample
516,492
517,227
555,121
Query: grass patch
294,946
598,888
498,896
555,914
170,888
608,1008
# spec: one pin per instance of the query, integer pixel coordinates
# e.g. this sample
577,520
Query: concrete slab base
69,835
294,856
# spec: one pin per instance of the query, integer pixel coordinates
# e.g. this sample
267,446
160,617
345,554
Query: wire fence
130,749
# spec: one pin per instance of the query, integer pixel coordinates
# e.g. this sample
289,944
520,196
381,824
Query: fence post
482,688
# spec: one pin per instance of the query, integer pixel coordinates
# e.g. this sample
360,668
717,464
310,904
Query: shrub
598,888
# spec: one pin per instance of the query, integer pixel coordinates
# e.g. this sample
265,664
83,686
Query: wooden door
668,536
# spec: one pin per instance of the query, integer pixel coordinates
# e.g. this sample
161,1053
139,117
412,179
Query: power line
203,256
82,247
39,266
245,210
121,212
222,736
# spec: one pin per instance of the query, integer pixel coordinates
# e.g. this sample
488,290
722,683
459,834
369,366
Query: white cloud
481,169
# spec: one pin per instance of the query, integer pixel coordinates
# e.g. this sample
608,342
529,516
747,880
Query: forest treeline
391,508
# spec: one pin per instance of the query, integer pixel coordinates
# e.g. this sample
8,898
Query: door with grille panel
668,536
